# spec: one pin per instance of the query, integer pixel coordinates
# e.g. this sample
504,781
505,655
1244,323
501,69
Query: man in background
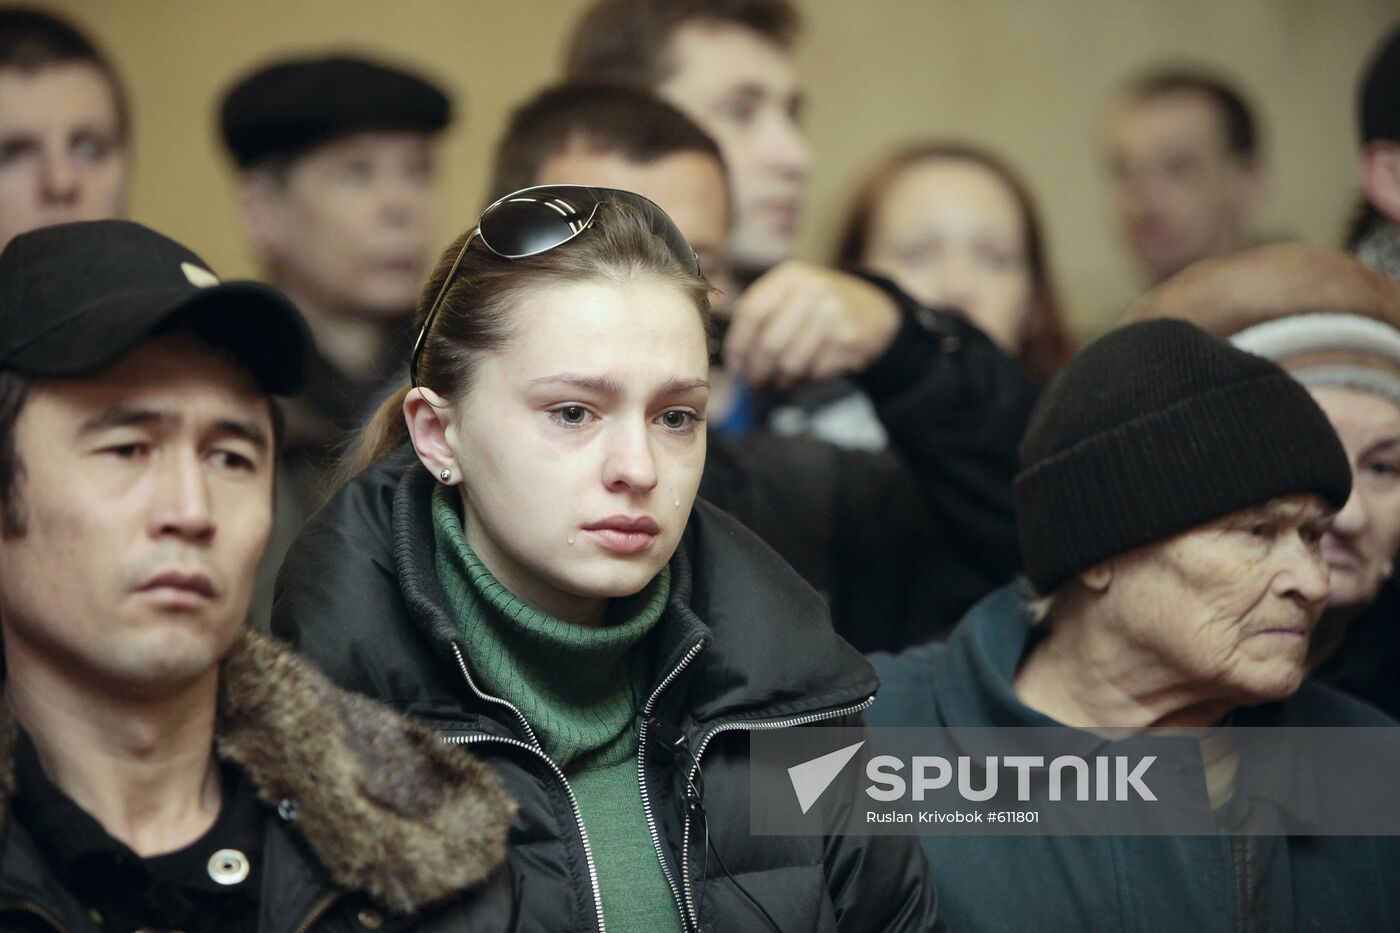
727,64
63,126
335,162
1376,239
1186,168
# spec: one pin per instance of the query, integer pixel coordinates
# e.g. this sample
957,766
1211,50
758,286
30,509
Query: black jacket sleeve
955,407
901,542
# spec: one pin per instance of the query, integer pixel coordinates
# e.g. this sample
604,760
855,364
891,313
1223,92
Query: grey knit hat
1154,429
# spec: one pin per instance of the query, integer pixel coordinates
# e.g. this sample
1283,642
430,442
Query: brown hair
475,315
1045,344
34,40
628,41
606,118
1241,127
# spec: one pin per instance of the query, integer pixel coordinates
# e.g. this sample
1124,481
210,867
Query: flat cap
290,106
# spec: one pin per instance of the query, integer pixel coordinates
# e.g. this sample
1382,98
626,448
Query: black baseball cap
75,297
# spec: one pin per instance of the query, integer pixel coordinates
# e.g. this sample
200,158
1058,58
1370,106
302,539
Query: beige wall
1027,77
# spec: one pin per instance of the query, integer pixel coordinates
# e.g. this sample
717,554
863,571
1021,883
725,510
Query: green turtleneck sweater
575,685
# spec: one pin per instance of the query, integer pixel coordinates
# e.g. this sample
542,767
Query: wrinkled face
1181,195
951,234
688,186
581,442
1360,547
743,91
61,154
147,497
1225,610
350,231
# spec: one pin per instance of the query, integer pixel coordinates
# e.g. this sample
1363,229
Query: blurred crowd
1193,521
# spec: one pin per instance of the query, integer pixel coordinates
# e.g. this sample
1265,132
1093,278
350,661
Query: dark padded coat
902,542
742,643
1126,884
368,822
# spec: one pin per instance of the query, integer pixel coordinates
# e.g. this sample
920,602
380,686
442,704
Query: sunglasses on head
536,220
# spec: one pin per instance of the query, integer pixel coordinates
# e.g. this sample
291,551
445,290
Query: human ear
429,416
1380,177
1098,577
261,205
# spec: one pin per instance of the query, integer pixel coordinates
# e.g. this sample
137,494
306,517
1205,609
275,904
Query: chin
615,582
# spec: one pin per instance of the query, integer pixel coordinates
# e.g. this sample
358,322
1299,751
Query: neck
143,767
1097,682
352,343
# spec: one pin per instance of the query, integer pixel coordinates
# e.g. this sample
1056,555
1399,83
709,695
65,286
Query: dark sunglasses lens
532,222
662,225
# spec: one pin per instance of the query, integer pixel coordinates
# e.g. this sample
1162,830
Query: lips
176,583
624,534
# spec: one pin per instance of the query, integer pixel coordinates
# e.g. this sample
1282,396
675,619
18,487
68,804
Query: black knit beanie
1154,429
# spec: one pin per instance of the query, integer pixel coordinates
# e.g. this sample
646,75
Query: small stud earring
445,475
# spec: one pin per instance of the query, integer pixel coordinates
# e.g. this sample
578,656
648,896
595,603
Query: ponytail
386,431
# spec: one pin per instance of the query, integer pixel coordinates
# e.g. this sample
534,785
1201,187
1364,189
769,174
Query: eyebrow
611,387
150,418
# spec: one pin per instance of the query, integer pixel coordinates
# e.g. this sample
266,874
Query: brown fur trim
384,805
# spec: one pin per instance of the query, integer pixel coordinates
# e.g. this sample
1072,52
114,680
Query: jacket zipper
318,911
751,726
537,750
642,780
33,910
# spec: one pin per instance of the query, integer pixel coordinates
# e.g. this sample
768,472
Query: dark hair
1045,344
14,392
32,40
628,41
1241,130
475,315
605,118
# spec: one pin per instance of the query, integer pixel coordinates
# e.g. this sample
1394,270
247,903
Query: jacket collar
730,595
357,781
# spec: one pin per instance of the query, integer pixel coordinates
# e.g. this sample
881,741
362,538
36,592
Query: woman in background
955,227
523,564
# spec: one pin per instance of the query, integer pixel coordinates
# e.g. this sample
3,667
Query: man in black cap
1375,237
336,190
1171,503
163,766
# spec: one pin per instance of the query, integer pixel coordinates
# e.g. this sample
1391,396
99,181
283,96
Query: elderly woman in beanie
1334,325
1171,504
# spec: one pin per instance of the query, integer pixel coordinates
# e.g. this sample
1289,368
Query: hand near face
801,323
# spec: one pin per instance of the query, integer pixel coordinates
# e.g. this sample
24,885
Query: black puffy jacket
901,542
742,644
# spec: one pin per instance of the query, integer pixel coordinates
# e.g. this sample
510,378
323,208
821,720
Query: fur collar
383,805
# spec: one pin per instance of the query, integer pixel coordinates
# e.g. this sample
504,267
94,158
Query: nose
1352,519
400,201
786,148
950,283
629,464
183,507
1303,576
58,178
